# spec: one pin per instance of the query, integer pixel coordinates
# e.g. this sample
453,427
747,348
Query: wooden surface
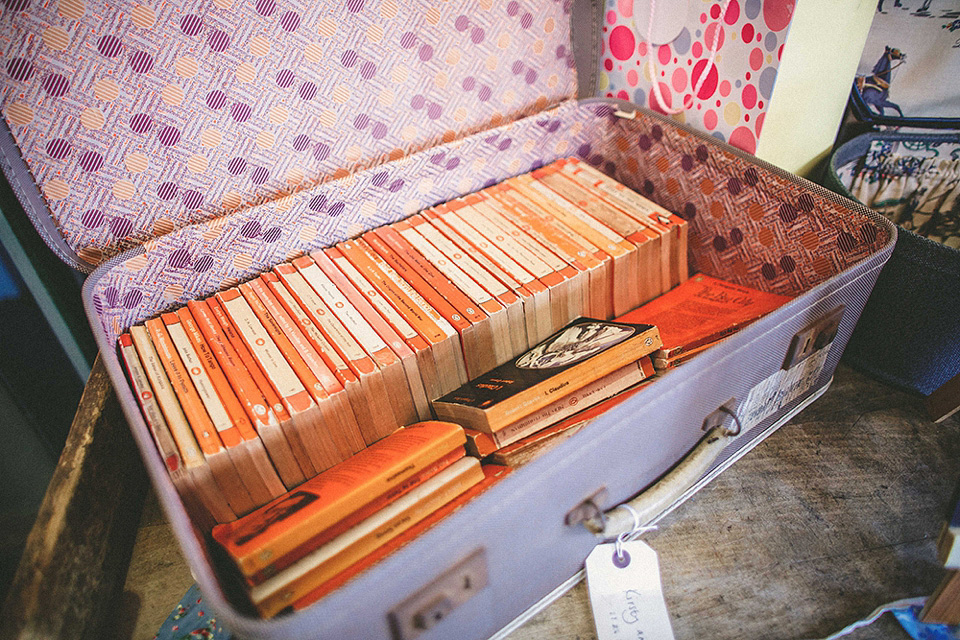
833,515
76,555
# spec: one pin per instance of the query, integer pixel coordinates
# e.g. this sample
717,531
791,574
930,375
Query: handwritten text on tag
625,593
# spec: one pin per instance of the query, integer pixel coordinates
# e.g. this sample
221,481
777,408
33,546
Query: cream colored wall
819,63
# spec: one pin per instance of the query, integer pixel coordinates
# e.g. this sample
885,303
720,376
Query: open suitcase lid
907,73
126,121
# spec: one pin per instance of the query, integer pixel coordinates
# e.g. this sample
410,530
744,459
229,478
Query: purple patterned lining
747,225
112,103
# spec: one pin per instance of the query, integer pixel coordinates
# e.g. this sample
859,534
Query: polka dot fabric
733,98
136,119
749,225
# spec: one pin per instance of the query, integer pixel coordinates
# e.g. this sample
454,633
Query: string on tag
711,64
620,557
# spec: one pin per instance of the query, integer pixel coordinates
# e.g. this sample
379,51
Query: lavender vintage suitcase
180,149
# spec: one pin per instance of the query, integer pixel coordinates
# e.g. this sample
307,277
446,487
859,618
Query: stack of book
540,396
700,313
311,540
254,390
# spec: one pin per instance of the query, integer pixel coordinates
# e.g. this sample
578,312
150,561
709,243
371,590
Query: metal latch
433,603
814,337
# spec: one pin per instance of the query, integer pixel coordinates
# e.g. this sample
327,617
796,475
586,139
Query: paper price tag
626,595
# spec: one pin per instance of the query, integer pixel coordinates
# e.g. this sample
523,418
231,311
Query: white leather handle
665,491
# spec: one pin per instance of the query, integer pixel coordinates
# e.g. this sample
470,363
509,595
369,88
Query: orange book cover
475,213
410,397
597,391
340,431
246,358
240,429
476,335
361,514
492,474
280,591
572,358
702,310
257,541
259,410
623,253
206,434
152,415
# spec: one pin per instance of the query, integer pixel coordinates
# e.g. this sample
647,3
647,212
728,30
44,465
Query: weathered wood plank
77,553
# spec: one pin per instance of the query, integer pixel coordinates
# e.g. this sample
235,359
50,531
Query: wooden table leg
77,553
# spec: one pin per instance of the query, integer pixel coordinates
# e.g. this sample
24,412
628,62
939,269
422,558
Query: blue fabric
909,332
191,620
909,619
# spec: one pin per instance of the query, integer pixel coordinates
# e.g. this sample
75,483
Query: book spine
303,304
399,368
492,474
187,396
355,518
295,582
249,393
596,391
280,527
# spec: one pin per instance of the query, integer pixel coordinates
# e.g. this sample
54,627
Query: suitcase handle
656,498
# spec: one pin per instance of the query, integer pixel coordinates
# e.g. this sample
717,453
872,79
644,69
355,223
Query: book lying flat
580,353
526,449
492,474
588,395
703,310
265,536
323,564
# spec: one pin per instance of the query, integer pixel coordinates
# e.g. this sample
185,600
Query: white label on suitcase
781,389
625,593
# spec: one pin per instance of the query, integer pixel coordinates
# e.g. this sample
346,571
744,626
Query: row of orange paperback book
259,387
321,415
322,371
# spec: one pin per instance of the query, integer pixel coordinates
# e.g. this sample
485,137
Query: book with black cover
578,354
